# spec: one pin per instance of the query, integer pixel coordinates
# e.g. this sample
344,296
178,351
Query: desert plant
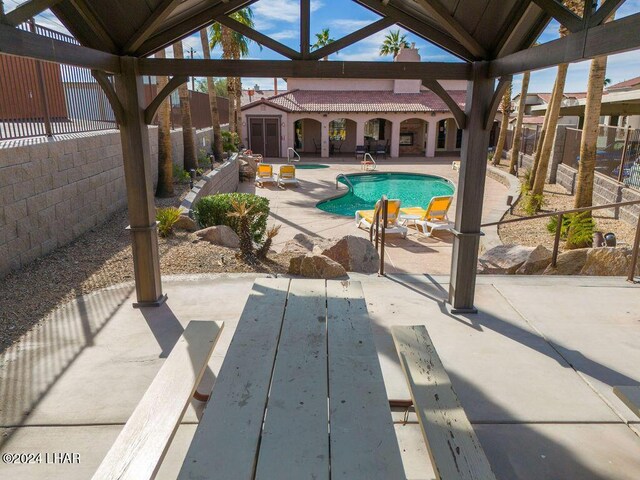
230,141
243,213
577,229
264,249
180,175
524,187
532,203
167,217
212,210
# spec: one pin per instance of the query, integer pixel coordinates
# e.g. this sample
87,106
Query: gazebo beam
17,42
458,114
110,93
156,18
105,42
471,182
607,39
438,11
427,32
260,38
27,10
189,25
562,14
352,38
503,83
604,12
304,68
305,28
136,155
150,111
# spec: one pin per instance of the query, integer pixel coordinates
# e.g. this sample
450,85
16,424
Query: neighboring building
332,116
626,95
254,94
536,105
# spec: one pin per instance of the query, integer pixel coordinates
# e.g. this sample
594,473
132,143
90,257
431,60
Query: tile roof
626,84
359,101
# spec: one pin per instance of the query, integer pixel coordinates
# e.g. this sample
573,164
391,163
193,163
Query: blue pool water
413,190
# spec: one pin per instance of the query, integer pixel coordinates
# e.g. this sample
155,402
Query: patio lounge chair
265,174
365,218
287,176
433,218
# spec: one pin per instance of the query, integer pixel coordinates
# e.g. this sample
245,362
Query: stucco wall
223,179
53,190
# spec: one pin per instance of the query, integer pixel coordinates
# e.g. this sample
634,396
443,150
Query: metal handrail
561,214
291,158
346,179
371,160
381,209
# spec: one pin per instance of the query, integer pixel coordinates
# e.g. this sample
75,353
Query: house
536,105
330,117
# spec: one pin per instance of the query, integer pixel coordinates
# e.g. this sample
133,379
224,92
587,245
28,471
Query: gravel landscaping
557,198
101,258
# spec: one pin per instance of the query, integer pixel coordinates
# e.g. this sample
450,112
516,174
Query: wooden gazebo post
134,135
473,167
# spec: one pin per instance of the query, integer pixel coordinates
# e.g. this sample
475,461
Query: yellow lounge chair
433,218
365,218
287,176
265,174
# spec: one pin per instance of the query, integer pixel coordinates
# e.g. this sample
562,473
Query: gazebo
494,38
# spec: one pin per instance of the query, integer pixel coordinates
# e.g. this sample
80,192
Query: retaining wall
223,179
54,189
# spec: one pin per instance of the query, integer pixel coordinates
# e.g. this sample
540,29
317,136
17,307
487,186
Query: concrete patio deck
295,209
534,371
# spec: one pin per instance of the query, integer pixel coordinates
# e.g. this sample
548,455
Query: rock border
491,238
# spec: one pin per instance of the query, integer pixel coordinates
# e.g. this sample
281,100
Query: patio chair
433,218
360,150
365,218
317,147
287,176
265,174
337,146
381,149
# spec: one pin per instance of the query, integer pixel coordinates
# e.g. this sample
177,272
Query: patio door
264,136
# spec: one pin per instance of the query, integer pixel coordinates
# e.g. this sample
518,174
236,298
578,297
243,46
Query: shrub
180,175
577,229
532,203
243,214
230,141
167,217
213,209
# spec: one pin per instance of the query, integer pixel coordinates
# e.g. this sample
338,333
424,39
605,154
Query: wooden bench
630,396
300,346
139,449
453,446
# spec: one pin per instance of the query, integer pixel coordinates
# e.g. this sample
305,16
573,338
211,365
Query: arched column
395,139
360,132
452,132
432,137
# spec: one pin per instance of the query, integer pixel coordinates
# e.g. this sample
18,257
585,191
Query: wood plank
26,44
605,10
145,438
630,395
152,108
562,14
610,38
496,99
110,92
363,441
304,68
161,12
27,10
295,438
305,34
453,446
225,444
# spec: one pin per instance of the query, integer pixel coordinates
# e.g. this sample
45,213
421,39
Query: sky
280,19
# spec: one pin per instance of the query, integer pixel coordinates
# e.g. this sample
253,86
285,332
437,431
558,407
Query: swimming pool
413,190
310,166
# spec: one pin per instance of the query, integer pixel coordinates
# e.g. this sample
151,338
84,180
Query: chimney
275,86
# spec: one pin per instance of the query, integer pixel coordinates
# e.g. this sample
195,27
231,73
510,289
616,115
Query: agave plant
244,215
264,249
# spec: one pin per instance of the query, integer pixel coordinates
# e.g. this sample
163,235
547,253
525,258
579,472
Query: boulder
536,262
569,263
185,223
607,261
316,266
303,244
504,259
355,254
220,235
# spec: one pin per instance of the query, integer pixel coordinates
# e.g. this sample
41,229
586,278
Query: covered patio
533,377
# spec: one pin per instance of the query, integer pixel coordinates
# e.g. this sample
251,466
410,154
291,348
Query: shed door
256,138
272,137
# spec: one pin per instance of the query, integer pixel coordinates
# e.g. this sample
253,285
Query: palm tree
216,135
506,110
393,42
189,146
165,160
234,47
322,40
577,6
517,131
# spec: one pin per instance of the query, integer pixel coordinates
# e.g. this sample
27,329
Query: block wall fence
52,190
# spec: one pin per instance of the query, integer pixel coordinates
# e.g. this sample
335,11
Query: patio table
300,394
